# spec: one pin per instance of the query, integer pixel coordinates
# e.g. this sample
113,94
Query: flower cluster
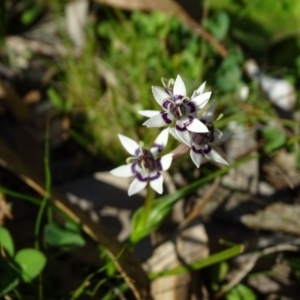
199,135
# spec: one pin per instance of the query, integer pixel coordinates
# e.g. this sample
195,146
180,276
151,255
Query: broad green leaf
274,139
6,241
30,14
202,263
31,262
59,235
240,292
161,207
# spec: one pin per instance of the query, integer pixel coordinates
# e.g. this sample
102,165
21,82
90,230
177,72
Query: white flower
177,106
202,143
144,164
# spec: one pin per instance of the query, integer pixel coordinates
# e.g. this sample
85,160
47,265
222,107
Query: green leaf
6,241
218,273
59,235
29,15
218,25
9,277
202,263
57,101
240,292
274,139
31,262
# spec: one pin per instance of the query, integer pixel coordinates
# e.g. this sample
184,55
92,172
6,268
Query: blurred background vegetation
96,61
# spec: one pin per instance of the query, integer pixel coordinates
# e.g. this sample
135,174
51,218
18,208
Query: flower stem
147,204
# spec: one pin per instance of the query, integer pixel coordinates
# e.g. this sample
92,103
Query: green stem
44,203
147,204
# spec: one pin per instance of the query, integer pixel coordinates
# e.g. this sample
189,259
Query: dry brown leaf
187,246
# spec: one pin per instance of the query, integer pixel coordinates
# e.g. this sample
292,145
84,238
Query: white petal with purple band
159,120
183,136
166,161
123,171
157,184
196,126
136,186
179,87
159,94
196,158
149,113
130,145
201,100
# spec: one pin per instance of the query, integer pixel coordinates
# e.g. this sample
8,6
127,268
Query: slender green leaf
202,263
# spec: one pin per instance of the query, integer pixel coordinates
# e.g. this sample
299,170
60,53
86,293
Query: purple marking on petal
188,121
137,152
140,177
201,150
178,98
157,175
166,104
133,167
164,115
179,128
158,146
158,163
192,106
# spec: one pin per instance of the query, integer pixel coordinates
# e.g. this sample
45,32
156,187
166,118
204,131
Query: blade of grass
200,264
44,203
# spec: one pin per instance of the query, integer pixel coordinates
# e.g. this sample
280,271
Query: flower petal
165,161
123,171
214,155
136,186
179,87
209,113
130,145
162,139
196,158
201,100
195,125
159,94
201,88
183,135
157,184
159,120
173,133
149,113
